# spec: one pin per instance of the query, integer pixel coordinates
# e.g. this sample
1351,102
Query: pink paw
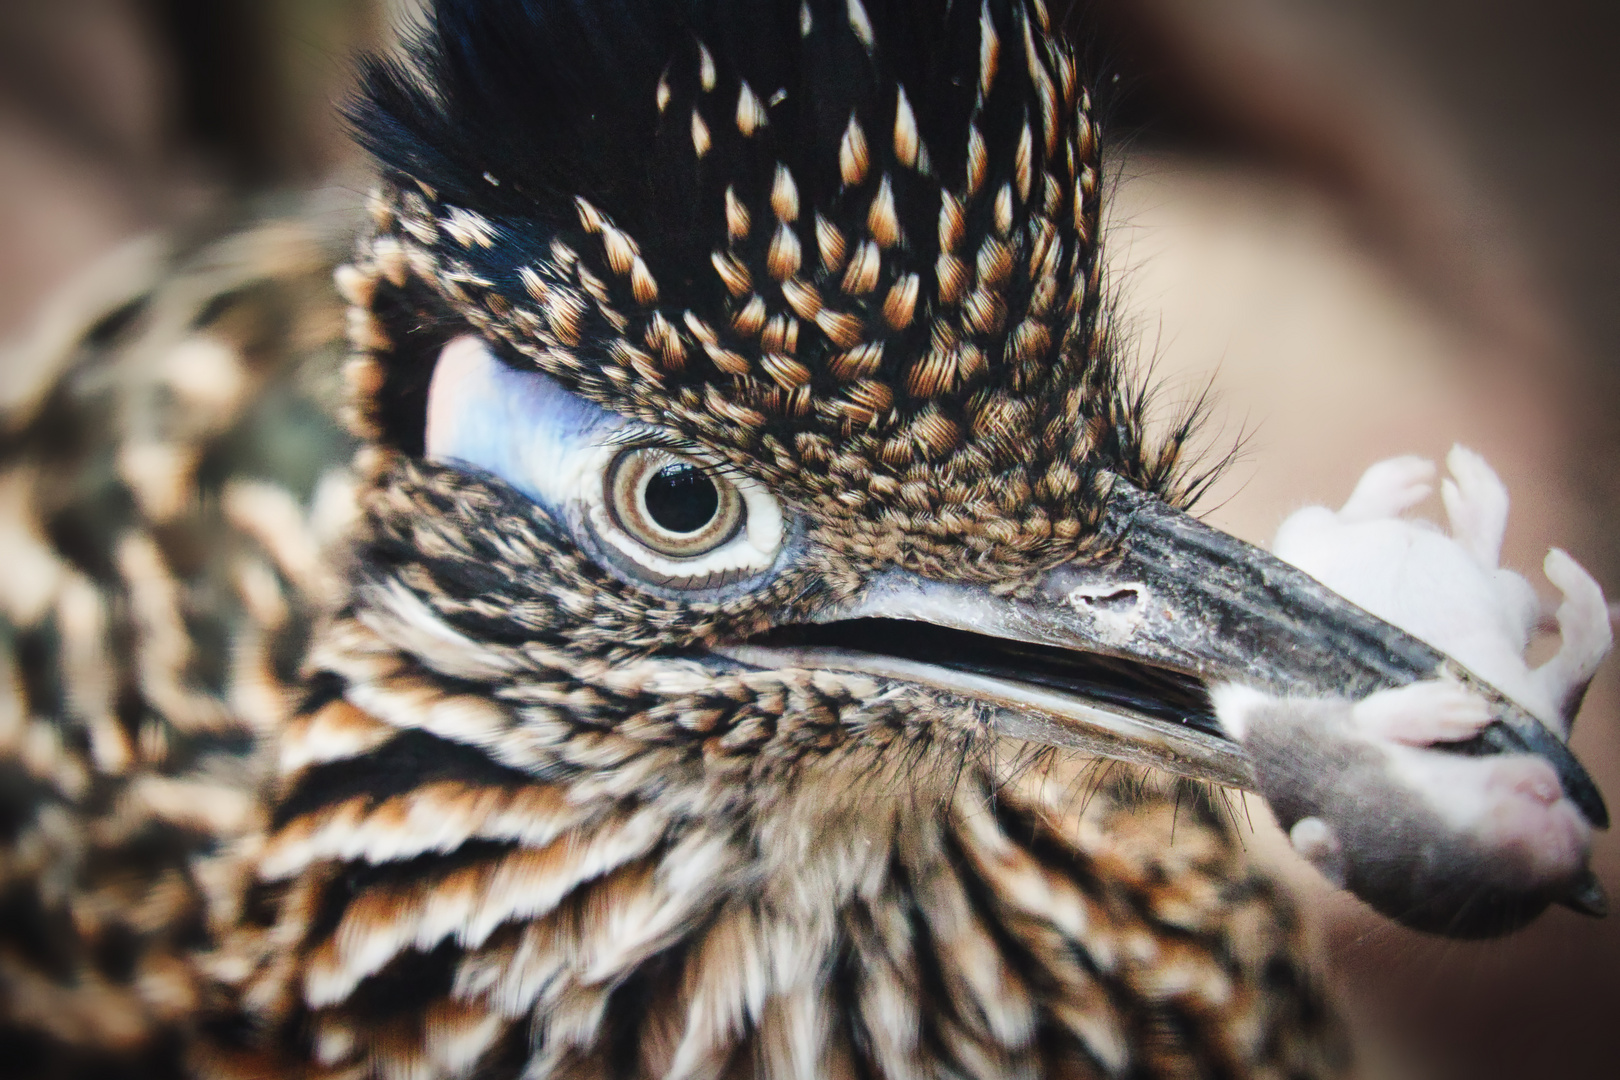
1422,714
1586,636
1389,488
1476,504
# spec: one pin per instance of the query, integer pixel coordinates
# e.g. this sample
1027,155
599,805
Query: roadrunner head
850,250
770,340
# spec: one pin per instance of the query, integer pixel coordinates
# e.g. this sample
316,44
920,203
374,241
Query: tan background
1378,226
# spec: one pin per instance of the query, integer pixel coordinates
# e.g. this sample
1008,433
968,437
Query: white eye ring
681,521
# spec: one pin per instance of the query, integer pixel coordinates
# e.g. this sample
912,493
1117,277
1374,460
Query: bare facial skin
1356,782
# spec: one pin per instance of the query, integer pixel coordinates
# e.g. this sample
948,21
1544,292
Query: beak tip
1587,896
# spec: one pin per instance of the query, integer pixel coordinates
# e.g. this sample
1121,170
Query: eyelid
634,435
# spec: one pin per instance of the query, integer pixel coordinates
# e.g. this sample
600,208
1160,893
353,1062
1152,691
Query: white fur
1449,590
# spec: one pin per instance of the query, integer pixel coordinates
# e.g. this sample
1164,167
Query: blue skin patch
522,426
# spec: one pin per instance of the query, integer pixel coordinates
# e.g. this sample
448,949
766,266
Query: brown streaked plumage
174,483
787,872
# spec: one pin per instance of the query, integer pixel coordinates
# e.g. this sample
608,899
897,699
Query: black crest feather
512,108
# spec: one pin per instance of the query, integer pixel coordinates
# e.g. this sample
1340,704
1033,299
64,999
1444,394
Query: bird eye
678,522
674,506
665,519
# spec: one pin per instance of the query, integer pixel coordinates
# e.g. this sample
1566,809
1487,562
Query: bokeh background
1373,226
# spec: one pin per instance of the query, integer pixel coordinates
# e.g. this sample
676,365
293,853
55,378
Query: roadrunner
751,534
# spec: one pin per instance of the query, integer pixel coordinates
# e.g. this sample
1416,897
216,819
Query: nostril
1113,610
1117,600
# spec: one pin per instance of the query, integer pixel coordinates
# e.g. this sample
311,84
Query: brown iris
671,504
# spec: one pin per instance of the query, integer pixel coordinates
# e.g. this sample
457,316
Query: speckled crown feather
850,246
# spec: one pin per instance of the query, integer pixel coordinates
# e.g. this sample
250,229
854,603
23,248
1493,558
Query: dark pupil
681,499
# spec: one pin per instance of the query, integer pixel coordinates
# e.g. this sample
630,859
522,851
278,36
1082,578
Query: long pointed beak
1114,656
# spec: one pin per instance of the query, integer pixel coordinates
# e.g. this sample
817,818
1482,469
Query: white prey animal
1344,776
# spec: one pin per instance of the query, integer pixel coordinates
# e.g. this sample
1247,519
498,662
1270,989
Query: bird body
172,486
781,872
745,499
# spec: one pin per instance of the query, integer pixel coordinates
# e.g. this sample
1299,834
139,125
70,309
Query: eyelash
636,437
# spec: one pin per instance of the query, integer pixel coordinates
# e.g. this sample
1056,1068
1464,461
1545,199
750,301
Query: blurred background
1375,226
